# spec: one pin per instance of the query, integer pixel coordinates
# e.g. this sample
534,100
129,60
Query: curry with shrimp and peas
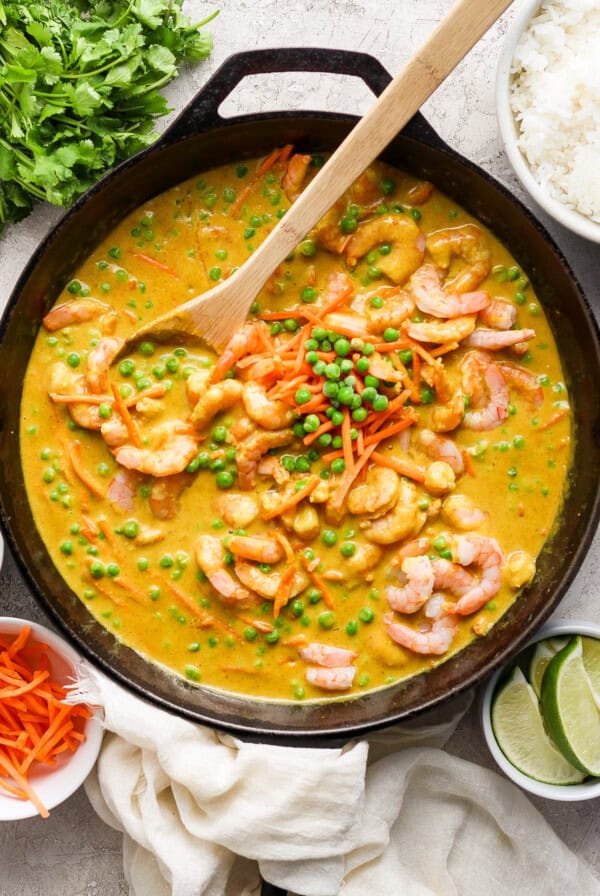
354,489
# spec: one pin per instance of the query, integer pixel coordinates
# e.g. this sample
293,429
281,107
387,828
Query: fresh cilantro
79,90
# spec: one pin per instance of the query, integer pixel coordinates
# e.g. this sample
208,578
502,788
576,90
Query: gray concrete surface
74,853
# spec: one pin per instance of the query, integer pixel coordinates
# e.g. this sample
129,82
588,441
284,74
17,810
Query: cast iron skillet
201,139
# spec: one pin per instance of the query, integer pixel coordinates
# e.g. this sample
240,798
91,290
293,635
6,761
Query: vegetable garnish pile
35,725
79,89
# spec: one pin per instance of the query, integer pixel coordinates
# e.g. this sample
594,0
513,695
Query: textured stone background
74,853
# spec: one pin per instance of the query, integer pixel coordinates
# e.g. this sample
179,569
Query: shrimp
462,514
271,467
442,449
413,548
495,411
499,315
76,311
436,641
215,399
327,656
496,340
377,495
171,457
436,331
262,549
365,558
99,360
63,382
306,523
406,240
122,488
250,339
439,478
268,413
237,510
520,568
449,416
467,243
404,521
523,381
486,554
196,385
449,576
397,307
338,679
209,557
294,175
165,494
383,370
252,448
416,592
268,585
328,233
430,298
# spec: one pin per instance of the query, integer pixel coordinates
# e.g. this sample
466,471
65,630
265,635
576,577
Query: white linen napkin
201,812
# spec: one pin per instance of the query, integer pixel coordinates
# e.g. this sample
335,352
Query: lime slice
570,710
519,730
591,664
540,661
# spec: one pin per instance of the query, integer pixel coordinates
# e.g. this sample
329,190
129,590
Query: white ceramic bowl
567,793
508,128
53,785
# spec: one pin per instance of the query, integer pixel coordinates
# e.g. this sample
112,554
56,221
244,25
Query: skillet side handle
202,113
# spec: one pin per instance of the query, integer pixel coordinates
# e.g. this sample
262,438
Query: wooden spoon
219,313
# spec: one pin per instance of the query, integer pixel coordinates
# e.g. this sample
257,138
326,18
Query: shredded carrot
37,725
403,467
443,349
347,441
468,462
348,477
156,264
130,314
158,390
318,582
554,418
268,163
390,431
80,471
237,205
313,436
293,499
126,417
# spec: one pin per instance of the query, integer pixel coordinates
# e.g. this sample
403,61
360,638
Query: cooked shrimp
237,510
430,298
495,411
250,339
171,457
401,233
122,488
413,548
197,384
328,233
114,432
165,494
327,656
417,590
306,523
377,495
449,576
252,448
64,382
499,315
442,449
268,413
271,466
462,514
397,307
467,243
268,585
446,417
99,360
436,641
148,535
403,521
383,370
209,557
365,558
524,382
217,398
496,340
520,568
441,331
260,548
439,478
338,679
486,555
294,176
76,311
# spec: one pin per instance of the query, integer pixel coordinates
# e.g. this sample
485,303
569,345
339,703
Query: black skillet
200,139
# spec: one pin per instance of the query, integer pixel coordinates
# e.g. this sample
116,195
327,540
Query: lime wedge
540,661
570,710
591,664
519,731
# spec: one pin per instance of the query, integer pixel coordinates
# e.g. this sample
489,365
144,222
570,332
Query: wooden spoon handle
461,28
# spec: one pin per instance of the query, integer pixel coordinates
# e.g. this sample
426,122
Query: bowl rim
560,792
79,765
569,218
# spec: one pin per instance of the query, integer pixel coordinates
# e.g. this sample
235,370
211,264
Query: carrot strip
554,418
313,436
80,471
6,693
237,205
468,462
156,264
318,583
390,431
293,499
20,641
403,467
82,398
158,390
126,417
348,477
347,442
268,163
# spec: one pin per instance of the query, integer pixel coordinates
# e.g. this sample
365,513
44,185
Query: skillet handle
202,113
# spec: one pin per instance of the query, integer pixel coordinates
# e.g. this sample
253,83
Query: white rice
555,98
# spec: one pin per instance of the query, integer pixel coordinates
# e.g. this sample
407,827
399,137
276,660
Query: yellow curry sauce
126,539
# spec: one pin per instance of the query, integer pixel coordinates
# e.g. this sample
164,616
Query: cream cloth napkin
393,815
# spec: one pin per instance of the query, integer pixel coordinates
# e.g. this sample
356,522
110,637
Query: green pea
130,528
427,396
307,248
74,287
380,403
302,396
290,325
153,592
366,614
376,302
96,569
126,367
326,620
325,439
224,479
103,469
360,414
297,608
172,365
519,442
390,334
342,347
348,549
520,298
219,433
337,418
73,359
329,536
215,273
368,348
66,547
336,442
272,637
250,634
415,214
104,410
299,692
142,564
387,186
348,224
48,474
351,627
112,570
440,542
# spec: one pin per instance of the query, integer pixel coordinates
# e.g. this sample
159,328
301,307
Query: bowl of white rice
548,101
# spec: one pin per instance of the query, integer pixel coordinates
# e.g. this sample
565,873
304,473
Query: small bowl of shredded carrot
47,746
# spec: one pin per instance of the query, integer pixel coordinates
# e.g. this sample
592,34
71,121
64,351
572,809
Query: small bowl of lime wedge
541,713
